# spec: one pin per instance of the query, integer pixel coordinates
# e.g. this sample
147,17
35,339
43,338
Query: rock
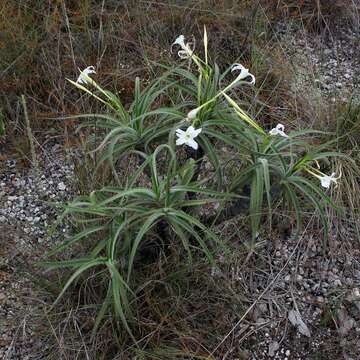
295,319
346,323
262,308
273,347
357,274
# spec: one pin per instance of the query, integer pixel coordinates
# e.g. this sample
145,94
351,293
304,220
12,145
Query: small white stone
61,186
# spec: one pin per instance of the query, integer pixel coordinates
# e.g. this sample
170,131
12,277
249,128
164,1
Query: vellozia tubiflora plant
125,219
159,200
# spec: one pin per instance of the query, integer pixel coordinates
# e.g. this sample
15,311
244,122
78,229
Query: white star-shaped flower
187,137
82,79
244,73
186,52
278,130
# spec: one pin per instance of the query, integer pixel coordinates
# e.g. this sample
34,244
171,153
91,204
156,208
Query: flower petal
183,54
89,70
180,140
280,127
325,181
86,72
192,143
180,40
196,132
80,80
278,130
244,73
237,66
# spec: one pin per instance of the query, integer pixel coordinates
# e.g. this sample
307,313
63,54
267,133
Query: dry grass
316,15
42,44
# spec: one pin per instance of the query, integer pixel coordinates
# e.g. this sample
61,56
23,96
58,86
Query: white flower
186,51
187,137
326,180
82,79
244,73
278,130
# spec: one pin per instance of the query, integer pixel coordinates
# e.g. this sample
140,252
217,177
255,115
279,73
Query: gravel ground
325,65
309,306
311,309
27,211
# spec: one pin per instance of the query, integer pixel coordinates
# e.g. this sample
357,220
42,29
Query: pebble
61,186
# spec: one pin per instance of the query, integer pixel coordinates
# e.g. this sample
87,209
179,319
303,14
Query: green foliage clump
176,129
